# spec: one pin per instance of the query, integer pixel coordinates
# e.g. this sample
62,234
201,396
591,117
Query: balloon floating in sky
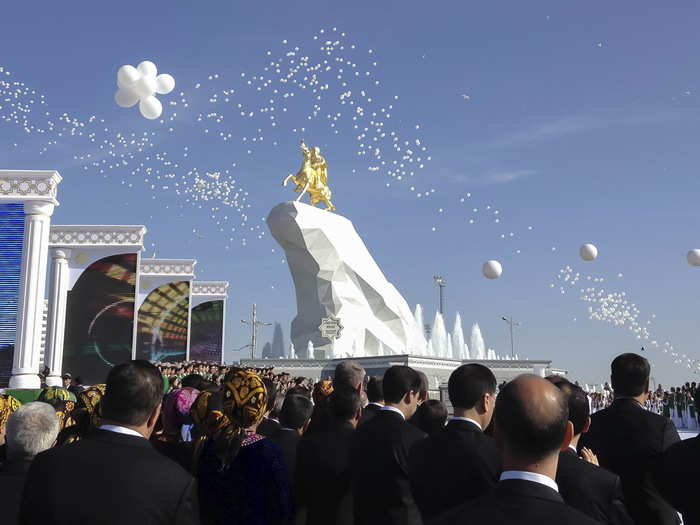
139,85
492,269
588,252
694,257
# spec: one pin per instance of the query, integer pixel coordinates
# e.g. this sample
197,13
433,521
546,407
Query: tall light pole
441,283
511,324
254,324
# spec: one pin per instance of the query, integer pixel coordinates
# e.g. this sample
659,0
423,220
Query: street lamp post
511,324
254,324
441,282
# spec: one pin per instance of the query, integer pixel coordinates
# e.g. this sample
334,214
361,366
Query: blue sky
581,121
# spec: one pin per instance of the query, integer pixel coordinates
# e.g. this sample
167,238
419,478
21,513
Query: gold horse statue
312,177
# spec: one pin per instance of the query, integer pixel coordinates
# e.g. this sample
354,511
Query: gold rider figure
312,177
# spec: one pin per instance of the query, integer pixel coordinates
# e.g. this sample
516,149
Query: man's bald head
531,417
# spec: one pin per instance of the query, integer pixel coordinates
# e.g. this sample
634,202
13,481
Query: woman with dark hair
242,477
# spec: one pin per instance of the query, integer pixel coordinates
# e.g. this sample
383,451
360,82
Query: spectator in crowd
379,456
584,485
349,373
242,477
136,483
325,456
270,421
67,380
430,416
294,418
375,396
627,439
31,429
676,474
76,386
531,426
461,456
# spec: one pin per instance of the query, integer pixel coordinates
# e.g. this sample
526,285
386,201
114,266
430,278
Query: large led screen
100,318
162,323
207,331
11,234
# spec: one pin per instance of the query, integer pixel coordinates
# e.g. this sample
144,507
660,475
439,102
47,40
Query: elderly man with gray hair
31,429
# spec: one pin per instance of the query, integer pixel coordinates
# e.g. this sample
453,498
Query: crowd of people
197,443
677,403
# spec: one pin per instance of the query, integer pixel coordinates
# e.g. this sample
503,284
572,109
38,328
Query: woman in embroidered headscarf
8,405
86,415
242,476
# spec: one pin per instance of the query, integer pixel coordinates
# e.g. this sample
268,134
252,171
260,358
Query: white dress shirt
530,476
470,420
121,430
394,409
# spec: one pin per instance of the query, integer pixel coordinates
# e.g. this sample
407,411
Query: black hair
398,381
576,398
629,374
468,384
375,392
133,390
430,416
530,431
296,411
343,403
192,381
271,392
299,391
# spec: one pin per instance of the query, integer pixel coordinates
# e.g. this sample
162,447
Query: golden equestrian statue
312,178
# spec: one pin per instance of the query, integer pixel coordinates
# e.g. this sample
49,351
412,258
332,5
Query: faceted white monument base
335,276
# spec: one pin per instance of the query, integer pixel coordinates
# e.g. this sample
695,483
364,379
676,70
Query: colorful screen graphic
162,323
11,234
207,333
100,318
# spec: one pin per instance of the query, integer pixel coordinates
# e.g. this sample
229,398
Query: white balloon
164,84
151,108
144,87
588,252
127,75
492,269
147,68
694,257
125,98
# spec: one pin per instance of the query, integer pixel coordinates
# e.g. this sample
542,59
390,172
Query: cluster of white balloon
139,85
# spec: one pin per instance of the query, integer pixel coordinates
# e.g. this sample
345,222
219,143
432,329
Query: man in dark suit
294,418
123,479
322,488
584,485
676,474
31,429
531,426
379,455
270,423
460,456
628,439
375,396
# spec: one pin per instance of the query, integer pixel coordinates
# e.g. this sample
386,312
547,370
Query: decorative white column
56,323
25,362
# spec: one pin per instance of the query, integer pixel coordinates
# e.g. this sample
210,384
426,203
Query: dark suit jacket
322,484
288,441
12,476
122,480
368,413
676,477
593,490
516,502
379,462
267,427
457,464
627,440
